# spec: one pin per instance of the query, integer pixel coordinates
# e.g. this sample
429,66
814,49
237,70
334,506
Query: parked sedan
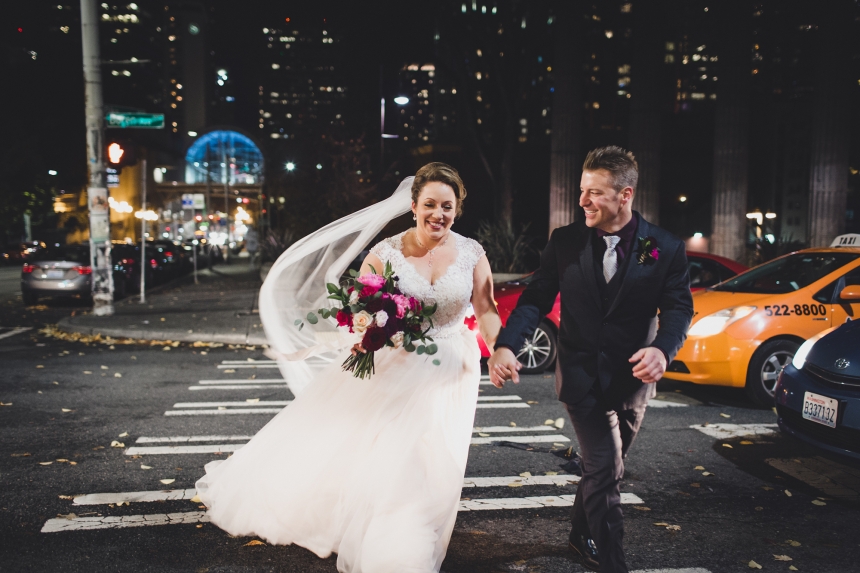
818,394
539,352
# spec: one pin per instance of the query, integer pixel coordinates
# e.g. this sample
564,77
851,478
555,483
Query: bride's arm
371,260
484,304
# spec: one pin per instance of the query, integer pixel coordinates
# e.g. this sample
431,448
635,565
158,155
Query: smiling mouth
435,225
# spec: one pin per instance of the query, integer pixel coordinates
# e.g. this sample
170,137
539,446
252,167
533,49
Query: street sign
135,120
187,200
199,201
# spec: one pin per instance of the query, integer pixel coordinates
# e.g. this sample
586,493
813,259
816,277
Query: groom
615,271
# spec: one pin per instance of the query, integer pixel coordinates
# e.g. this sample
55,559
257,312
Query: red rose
374,338
344,318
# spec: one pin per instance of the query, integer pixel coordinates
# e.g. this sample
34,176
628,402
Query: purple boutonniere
648,250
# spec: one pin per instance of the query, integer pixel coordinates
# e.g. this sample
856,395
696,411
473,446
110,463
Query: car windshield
787,274
74,254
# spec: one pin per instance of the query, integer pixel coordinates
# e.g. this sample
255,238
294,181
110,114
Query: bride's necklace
430,251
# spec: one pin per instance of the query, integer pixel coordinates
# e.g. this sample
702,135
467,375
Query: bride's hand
356,348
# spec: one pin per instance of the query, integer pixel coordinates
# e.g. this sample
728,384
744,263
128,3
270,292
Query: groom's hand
651,364
503,365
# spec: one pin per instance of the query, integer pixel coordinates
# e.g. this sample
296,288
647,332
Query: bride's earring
414,217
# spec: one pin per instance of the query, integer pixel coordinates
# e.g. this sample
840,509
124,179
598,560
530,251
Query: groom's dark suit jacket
599,333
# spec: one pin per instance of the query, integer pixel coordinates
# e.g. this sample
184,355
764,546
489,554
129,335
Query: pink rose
655,254
414,304
372,284
402,303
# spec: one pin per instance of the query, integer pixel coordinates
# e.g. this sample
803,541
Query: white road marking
498,398
506,429
225,412
521,439
201,449
243,381
230,404
246,365
186,494
120,522
15,330
134,496
503,405
252,361
531,502
726,431
238,387
665,404
186,439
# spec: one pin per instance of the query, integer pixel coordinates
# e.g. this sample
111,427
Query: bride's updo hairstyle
441,173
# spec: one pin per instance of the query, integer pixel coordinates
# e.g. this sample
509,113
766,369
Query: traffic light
120,154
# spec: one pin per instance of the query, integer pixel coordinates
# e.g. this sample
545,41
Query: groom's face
605,208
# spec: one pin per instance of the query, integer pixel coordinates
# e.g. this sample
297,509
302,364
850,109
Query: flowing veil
296,283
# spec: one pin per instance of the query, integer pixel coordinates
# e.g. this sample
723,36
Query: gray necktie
610,257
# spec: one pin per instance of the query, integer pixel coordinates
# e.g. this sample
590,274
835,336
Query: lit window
276,66
609,33
179,86
670,46
171,38
626,8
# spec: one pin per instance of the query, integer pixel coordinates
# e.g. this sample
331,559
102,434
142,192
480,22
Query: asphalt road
10,281
68,402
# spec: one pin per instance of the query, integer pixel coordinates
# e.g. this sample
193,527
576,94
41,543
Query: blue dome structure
229,157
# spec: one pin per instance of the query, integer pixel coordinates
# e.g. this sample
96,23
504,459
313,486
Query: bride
369,469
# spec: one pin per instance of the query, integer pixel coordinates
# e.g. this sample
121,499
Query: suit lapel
586,264
634,270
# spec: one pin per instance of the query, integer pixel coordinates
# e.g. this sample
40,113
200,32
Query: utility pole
143,233
97,197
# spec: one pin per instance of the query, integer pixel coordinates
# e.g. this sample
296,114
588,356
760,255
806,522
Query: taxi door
843,310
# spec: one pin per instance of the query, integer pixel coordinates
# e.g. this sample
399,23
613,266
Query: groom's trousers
604,437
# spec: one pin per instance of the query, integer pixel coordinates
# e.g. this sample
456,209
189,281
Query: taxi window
787,274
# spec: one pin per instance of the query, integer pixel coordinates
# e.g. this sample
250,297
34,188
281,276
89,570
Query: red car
538,353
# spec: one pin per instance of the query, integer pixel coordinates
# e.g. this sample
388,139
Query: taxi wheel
765,366
538,353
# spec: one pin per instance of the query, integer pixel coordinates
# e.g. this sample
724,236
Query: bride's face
435,209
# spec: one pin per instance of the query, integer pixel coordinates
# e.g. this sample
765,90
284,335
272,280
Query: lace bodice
452,291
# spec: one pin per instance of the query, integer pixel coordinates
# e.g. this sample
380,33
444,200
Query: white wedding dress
369,469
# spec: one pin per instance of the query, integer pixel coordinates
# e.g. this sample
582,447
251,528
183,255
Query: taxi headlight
800,356
718,321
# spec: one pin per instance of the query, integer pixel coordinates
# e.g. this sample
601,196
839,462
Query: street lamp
290,166
399,100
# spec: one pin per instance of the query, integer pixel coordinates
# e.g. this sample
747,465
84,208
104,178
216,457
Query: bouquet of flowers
374,307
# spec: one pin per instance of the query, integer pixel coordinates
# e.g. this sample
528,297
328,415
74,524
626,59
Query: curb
66,325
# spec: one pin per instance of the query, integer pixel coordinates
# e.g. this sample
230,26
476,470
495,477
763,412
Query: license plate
820,409
56,274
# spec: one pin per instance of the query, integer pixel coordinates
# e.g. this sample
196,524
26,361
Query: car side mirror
850,292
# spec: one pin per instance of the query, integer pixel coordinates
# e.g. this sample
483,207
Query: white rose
381,318
361,321
397,339
353,297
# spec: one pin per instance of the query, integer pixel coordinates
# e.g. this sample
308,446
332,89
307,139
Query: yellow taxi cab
746,329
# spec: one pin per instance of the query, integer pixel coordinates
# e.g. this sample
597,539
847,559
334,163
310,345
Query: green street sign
135,120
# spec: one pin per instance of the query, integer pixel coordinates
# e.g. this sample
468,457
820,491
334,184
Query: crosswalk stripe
521,439
57,525
665,404
230,404
245,365
507,429
726,431
243,381
531,502
15,330
187,494
239,387
252,361
186,439
224,412
498,398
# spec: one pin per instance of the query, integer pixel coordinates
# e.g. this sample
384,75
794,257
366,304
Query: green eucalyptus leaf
297,321
436,361
409,347
432,349
353,273
422,349
312,318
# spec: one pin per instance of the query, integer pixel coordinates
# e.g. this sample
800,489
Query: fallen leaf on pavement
793,543
641,508
62,460
45,463
66,497
532,402
222,407
724,415
196,499
513,424
727,446
103,367
229,371
167,481
166,348
117,375
753,565
695,484
707,474
746,443
87,372
199,526
788,493
767,488
98,448
526,475
163,319
759,508
252,400
673,527
515,484
559,423
68,516
782,558
700,468
550,473
792,568
549,422
661,524
483,434
253,543
145,467
24,455
123,435
5,403
818,502
73,463
116,444
66,410
39,366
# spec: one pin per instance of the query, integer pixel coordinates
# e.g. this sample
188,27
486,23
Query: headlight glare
718,321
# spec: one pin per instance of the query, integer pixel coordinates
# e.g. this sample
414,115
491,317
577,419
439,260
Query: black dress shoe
586,551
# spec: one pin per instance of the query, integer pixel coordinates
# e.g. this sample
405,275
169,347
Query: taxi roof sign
849,240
